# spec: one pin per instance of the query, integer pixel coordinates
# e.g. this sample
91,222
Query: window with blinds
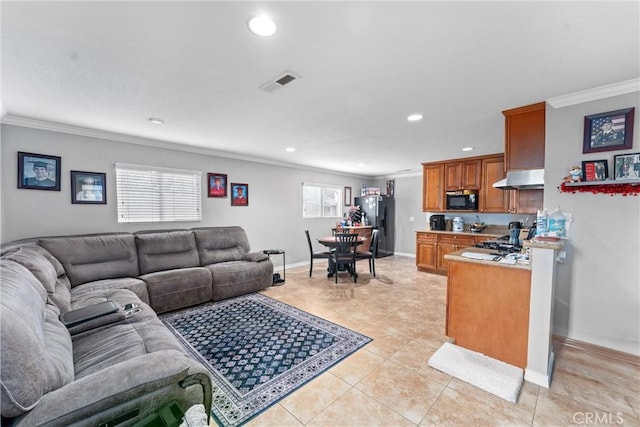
154,194
320,200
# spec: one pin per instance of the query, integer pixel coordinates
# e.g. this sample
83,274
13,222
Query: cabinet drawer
427,238
456,240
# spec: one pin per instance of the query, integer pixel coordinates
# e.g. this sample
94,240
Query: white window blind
155,194
320,200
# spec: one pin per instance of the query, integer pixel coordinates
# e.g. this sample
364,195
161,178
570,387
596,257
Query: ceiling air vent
279,82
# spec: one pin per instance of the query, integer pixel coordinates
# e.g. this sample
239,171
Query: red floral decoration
610,189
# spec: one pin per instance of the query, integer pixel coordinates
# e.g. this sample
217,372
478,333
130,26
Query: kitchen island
488,306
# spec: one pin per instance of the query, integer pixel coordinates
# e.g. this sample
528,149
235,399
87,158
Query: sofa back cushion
36,351
166,250
33,259
95,257
221,244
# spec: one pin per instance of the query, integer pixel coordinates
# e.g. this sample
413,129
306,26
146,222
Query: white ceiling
363,67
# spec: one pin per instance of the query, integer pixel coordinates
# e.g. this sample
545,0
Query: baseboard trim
609,353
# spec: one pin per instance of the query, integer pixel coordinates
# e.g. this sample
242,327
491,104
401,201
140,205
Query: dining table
331,242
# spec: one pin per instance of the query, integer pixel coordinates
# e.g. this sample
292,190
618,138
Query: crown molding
614,89
130,139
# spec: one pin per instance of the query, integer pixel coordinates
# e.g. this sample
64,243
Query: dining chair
315,255
344,255
371,253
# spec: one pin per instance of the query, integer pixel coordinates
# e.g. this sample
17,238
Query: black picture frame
626,166
239,194
38,171
347,196
88,188
216,185
595,170
608,131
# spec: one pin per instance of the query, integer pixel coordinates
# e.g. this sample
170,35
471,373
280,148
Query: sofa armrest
133,388
255,257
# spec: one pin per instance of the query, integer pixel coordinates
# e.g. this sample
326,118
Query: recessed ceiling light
262,25
415,117
290,149
360,165
467,149
156,121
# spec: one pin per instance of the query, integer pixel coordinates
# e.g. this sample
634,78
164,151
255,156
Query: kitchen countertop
457,256
489,231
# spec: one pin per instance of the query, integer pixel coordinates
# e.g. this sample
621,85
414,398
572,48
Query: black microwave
462,202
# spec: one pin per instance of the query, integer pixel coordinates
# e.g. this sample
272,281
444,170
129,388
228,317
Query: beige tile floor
389,383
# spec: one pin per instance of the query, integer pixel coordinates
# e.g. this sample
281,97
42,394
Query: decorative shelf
625,187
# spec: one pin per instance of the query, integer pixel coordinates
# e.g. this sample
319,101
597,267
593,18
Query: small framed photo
595,170
239,194
347,196
608,131
627,166
88,188
216,185
38,171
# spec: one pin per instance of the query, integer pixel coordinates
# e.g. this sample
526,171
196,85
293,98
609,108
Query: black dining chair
371,253
344,255
315,255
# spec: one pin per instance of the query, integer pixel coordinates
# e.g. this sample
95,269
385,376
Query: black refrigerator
379,212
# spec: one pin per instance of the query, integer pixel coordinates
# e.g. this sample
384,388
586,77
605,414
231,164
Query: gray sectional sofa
120,368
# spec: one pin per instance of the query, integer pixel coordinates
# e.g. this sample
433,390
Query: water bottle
541,222
556,223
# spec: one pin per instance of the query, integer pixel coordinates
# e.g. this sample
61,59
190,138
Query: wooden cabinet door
426,251
524,137
433,187
493,199
526,201
448,243
462,175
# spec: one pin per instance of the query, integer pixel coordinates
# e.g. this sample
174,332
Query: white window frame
322,202
156,194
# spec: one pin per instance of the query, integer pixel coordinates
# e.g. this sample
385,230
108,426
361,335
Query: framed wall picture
88,188
38,171
239,194
216,185
627,166
608,131
595,170
347,196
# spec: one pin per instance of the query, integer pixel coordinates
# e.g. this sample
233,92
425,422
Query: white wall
273,218
598,292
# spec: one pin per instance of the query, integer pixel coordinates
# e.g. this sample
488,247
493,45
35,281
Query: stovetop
502,247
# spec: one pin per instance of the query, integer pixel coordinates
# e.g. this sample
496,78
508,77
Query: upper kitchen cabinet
462,175
524,137
432,187
493,199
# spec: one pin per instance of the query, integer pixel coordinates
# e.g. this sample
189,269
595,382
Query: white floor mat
502,379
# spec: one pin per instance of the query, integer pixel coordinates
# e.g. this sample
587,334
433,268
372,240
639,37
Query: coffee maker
436,222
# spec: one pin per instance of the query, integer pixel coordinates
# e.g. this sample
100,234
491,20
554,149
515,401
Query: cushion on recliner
37,264
221,244
166,250
95,257
182,287
37,355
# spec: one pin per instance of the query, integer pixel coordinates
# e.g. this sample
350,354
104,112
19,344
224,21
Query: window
154,194
321,201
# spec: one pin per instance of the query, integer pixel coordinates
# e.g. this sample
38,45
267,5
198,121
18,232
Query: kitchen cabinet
493,199
524,137
462,175
448,243
432,187
525,201
488,310
426,244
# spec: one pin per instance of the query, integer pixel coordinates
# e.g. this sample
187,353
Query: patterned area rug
258,350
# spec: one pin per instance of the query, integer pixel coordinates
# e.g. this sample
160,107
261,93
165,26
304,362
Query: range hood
532,179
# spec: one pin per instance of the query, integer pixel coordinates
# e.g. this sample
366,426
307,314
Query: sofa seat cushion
235,278
173,289
104,287
166,250
95,256
36,347
110,345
